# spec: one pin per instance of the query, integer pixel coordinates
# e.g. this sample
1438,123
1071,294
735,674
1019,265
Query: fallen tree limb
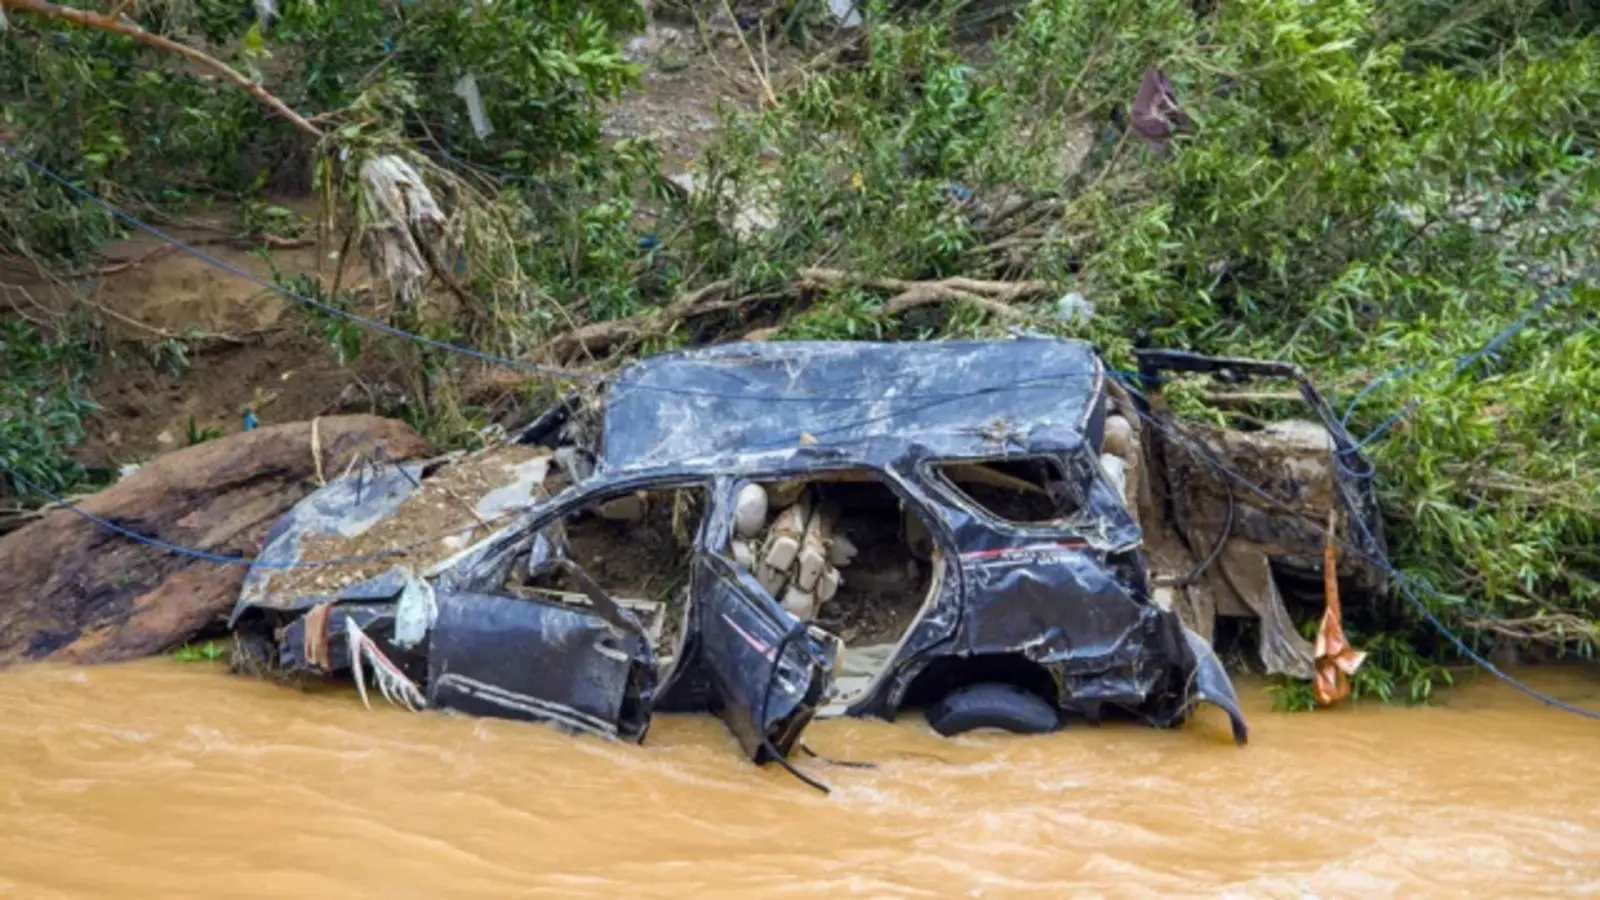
603,335
993,296
1553,629
117,25
155,253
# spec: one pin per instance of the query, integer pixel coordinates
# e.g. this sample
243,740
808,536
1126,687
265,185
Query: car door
584,662
768,671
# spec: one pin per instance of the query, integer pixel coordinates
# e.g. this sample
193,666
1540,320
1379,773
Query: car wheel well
947,673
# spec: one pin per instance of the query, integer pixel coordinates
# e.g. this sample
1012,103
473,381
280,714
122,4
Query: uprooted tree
1373,189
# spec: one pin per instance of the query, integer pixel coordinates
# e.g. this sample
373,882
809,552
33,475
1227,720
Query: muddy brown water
164,779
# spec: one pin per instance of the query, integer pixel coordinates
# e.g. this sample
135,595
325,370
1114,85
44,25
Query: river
166,779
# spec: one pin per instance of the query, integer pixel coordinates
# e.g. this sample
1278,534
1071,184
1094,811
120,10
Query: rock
74,592
753,213
750,511
801,605
652,43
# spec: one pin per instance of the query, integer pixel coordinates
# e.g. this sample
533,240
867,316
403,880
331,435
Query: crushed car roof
750,397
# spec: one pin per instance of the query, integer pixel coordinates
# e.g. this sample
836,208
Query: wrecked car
768,532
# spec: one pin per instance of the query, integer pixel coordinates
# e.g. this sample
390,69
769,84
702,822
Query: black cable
1401,580
1216,551
832,761
798,630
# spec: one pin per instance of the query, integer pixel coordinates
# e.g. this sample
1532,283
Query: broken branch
602,335
993,296
117,25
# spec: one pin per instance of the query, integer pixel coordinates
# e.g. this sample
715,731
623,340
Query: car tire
992,705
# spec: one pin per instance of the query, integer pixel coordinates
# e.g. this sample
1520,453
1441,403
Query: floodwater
165,779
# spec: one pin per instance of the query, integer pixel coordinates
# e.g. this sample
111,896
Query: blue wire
1374,385
1465,361
1400,578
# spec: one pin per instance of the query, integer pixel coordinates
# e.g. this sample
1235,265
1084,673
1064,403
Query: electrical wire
1402,581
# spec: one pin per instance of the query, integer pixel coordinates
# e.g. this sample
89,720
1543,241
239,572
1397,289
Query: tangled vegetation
1373,189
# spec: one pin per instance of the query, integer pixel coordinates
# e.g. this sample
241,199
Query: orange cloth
1335,659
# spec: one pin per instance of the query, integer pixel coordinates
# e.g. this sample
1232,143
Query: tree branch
89,19
993,296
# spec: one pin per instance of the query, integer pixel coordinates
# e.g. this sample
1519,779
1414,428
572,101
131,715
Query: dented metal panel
1069,597
507,657
946,396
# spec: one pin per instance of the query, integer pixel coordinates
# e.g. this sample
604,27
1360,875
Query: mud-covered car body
1061,607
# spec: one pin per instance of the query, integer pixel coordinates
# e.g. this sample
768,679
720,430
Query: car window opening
1032,490
843,552
638,548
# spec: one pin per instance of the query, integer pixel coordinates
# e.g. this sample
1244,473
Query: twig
1253,397
431,255
1554,628
137,261
155,253
162,332
88,19
766,87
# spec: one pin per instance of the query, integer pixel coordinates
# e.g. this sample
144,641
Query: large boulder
73,591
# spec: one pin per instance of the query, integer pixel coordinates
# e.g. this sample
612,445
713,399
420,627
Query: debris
315,643
867,562
1230,552
1073,309
845,13
750,511
392,682
1336,660
467,89
415,612
753,213
842,551
783,544
397,204
1156,114
1118,439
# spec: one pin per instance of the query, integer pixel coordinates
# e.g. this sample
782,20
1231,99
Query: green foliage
195,433
210,651
42,408
1364,190
1369,186
141,126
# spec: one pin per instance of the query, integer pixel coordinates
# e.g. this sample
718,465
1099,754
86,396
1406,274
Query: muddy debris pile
705,536
723,530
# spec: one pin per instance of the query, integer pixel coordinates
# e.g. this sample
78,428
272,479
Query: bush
1370,187
42,408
